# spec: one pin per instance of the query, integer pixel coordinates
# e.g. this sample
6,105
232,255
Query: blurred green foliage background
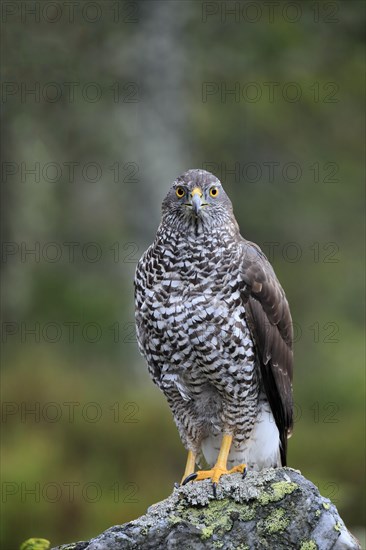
126,96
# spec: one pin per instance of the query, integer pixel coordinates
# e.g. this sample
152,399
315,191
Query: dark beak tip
196,204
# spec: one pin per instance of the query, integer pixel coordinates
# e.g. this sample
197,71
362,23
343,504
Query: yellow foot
214,474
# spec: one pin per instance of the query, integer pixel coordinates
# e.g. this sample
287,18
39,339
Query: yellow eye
214,192
180,192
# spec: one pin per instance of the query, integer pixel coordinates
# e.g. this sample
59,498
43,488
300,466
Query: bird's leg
190,464
220,467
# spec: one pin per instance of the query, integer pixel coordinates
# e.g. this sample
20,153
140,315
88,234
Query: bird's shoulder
264,288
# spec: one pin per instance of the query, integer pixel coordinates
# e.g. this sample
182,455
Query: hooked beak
196,200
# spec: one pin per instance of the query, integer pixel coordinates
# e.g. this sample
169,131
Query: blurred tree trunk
161,139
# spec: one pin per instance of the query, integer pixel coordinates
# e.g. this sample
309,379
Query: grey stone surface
273,509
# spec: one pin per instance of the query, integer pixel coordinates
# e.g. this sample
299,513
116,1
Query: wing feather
269,319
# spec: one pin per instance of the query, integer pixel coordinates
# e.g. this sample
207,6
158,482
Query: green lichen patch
215,518
338,526
308,545
276,522
277,492
326,505
206,533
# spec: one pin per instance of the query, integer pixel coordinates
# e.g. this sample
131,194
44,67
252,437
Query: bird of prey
214,326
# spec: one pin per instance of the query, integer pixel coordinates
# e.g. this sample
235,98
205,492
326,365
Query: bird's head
197,196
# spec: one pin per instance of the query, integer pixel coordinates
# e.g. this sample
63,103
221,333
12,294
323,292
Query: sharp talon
244,473
176,485
189,478
214,486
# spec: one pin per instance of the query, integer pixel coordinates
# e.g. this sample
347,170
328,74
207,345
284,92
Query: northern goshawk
214,326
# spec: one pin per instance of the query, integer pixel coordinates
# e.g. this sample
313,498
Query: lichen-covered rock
273,509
